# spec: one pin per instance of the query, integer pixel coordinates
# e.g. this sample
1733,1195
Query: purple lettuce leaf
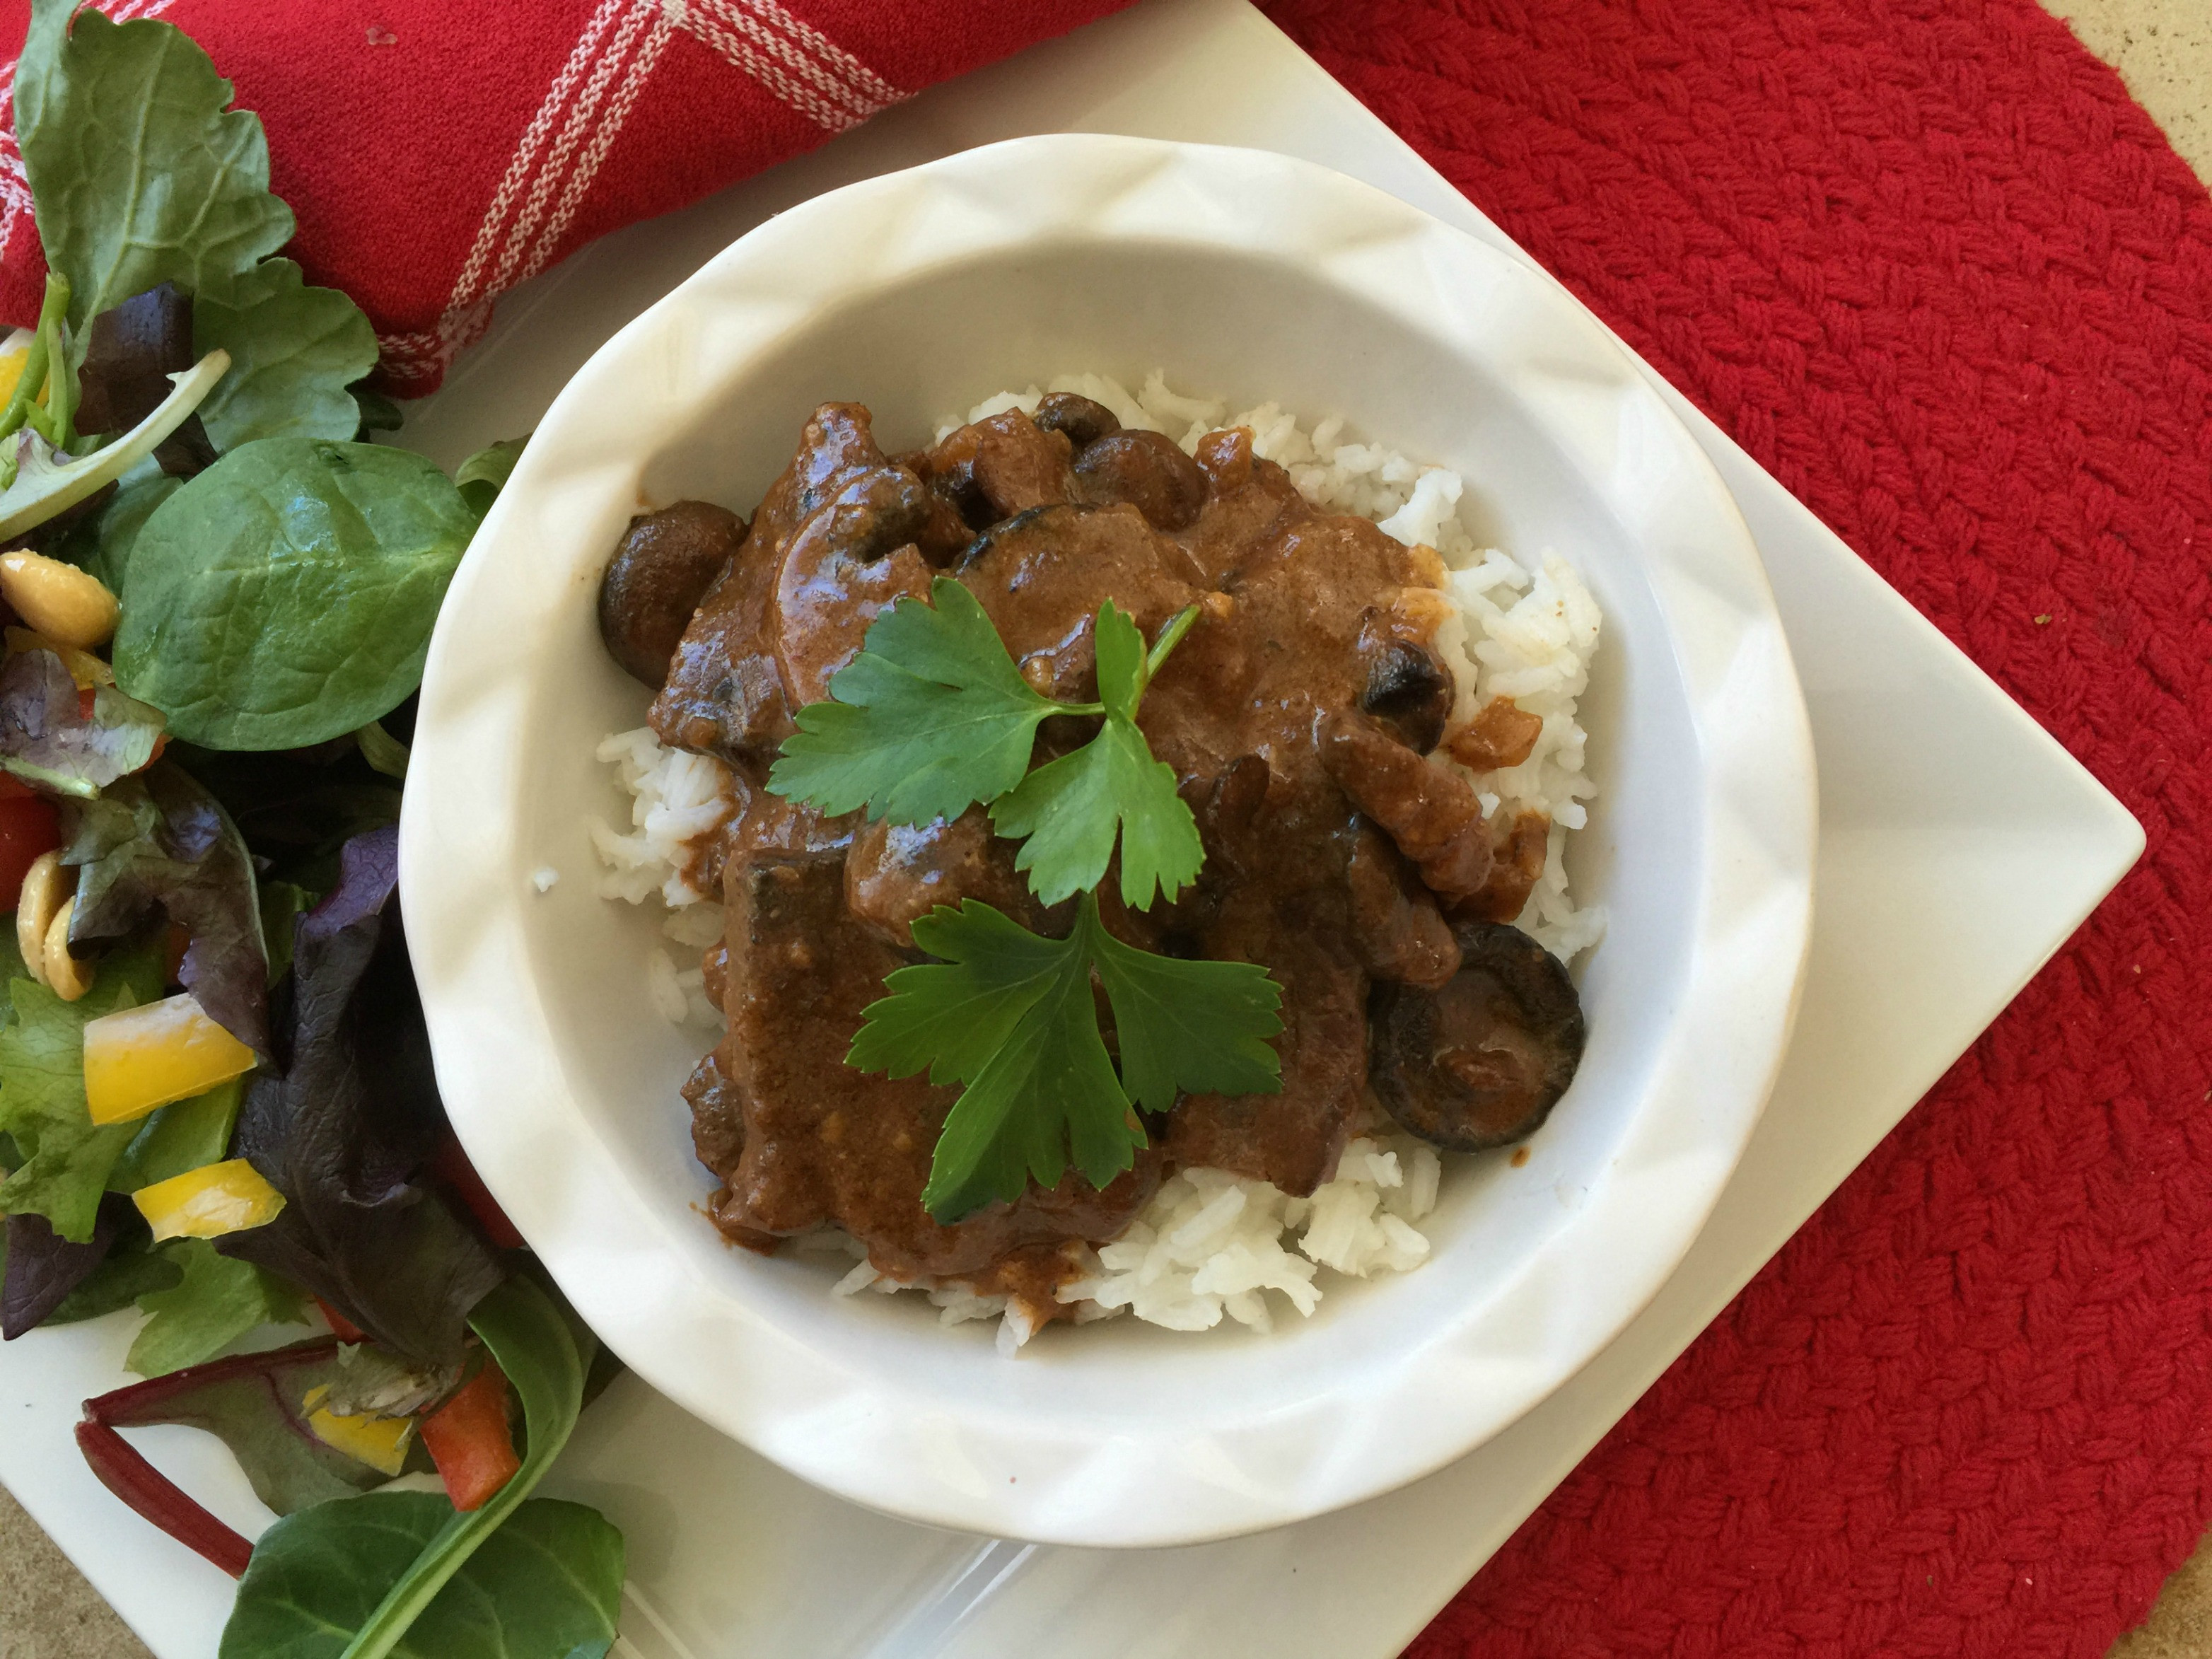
43,1268
46,738
162,839
348,1129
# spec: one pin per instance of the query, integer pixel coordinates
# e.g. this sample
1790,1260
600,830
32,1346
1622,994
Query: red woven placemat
1927,262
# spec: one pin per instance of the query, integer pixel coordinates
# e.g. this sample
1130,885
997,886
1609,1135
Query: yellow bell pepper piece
209,1202
14,352
378,1442
87,670
136,1059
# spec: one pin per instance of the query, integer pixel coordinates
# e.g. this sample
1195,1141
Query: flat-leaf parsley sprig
1012,1016
933,717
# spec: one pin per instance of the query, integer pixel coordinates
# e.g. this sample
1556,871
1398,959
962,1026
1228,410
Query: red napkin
437,153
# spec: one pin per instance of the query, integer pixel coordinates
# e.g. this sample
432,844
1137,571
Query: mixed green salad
216,1102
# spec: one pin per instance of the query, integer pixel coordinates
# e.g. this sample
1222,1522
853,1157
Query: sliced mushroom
1481,1061
1410,691
1145,470
1083,421
664,565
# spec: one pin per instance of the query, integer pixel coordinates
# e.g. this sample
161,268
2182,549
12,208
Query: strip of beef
846,566
1428,809
896,873
724,694
823,1142
1247,500
1041,576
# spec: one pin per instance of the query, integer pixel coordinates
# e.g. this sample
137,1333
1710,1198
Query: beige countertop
2163,50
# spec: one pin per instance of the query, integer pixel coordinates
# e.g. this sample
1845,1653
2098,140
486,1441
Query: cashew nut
69,977
49,888
59,600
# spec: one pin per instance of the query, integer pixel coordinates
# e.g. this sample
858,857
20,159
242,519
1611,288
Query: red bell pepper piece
29,826
452,1166
343,1329
469,1439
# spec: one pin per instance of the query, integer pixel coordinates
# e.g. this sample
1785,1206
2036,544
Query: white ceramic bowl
1248,276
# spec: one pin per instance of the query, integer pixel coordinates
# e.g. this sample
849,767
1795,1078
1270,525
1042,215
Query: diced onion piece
137,1059
209,1202
378,1442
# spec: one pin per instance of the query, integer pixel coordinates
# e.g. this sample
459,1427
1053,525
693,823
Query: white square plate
1949,871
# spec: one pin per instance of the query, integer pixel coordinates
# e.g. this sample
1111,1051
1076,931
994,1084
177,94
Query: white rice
1211,1244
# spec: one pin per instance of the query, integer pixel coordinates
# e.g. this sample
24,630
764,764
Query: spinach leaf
138,174
352,1122
218,1301
285,596
161,839
388,1575
102,542
182,1136
377,412
46,738
253,1404
66,1157
485,474
548,1585
293,351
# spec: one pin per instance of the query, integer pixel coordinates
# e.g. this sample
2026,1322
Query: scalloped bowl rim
890,1422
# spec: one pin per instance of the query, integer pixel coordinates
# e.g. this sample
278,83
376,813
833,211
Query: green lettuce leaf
141,172
485,474
285,596
218,1301
182,1136
67,1158
295,351
547,1585
133,1269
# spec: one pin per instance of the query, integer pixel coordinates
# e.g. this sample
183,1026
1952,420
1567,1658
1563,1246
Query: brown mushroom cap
1481,1061
664,565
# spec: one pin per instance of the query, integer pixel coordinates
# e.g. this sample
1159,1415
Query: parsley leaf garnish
1012,1016
1073,808
933,717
